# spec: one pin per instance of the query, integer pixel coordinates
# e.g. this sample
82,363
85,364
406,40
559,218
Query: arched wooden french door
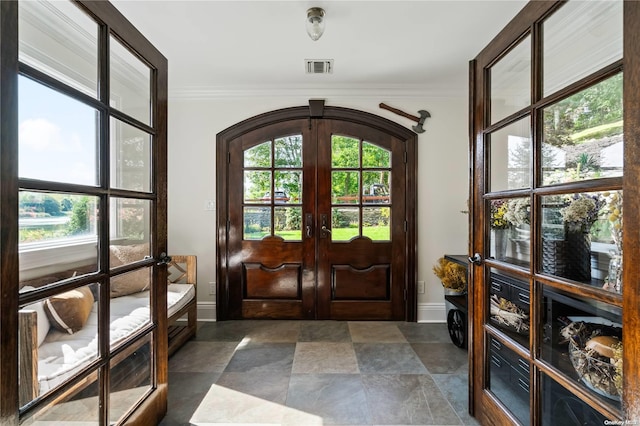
316,216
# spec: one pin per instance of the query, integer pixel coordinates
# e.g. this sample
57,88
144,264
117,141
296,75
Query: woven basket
595,371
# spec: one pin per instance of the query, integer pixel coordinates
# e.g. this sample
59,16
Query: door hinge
229,157
406,226
309,123
406,157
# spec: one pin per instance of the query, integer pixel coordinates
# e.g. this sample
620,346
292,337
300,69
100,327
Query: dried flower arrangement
452,275
518,211
506,313
498,212
581,211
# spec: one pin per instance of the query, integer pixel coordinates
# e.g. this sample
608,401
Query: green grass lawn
376,233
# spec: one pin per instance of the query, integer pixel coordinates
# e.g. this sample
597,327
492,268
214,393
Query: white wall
442,179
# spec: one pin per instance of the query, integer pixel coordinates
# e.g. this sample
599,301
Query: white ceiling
409,48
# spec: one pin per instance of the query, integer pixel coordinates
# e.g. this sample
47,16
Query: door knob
476,259
325,229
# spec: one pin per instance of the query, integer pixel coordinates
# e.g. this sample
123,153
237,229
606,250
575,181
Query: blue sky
57,136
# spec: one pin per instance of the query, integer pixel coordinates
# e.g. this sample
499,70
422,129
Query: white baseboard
207,311
427,312
432,312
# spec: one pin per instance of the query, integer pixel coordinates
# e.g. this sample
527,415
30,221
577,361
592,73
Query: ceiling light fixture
315,22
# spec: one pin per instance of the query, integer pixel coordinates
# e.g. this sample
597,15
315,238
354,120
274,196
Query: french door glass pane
130,157
288,223
509,238
583,134
57,136
579,39
68,320
58,235
57,38
376,223
376,187
345,223
510,158
130,83
130,221
561,407
509,301
509,379
511,81
257,187
582,238
131,378
345,187
258,156
375,157
256,222
288,151
345,152
76,408
287,187
570,325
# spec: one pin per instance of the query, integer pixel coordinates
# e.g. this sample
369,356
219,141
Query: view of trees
598,109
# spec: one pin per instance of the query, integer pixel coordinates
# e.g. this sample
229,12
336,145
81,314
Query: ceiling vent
319,66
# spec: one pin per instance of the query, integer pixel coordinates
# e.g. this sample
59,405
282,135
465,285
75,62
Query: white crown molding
205,93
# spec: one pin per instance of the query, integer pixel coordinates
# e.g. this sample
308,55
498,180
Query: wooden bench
182,325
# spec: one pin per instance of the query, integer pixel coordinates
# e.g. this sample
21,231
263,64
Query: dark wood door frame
314,110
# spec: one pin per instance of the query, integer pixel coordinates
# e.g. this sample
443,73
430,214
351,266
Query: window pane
130,84
57,38
561,407
257,222
511,82
579,39
288,223
130,221
258,156
57,136
130,157
509,379
376,223
570,322
345,152
509,301
376,187
581,236
288,151
288,187
345,187
374,156
345,223
257,187
583,136
510,161
510,221
63,329
58,234
131,378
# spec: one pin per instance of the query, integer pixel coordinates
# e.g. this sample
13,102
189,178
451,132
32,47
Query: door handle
164,259
476,259
324,221
308,225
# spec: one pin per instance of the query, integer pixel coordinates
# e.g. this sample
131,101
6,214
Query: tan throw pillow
131,282
69,311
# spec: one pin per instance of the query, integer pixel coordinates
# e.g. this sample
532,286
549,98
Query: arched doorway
316,216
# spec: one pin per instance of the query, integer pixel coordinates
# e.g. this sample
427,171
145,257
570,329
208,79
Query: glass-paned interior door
549,219
91,216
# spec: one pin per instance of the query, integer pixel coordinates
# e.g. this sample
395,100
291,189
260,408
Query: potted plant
452,276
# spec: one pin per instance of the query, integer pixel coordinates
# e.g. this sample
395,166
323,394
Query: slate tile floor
318,373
